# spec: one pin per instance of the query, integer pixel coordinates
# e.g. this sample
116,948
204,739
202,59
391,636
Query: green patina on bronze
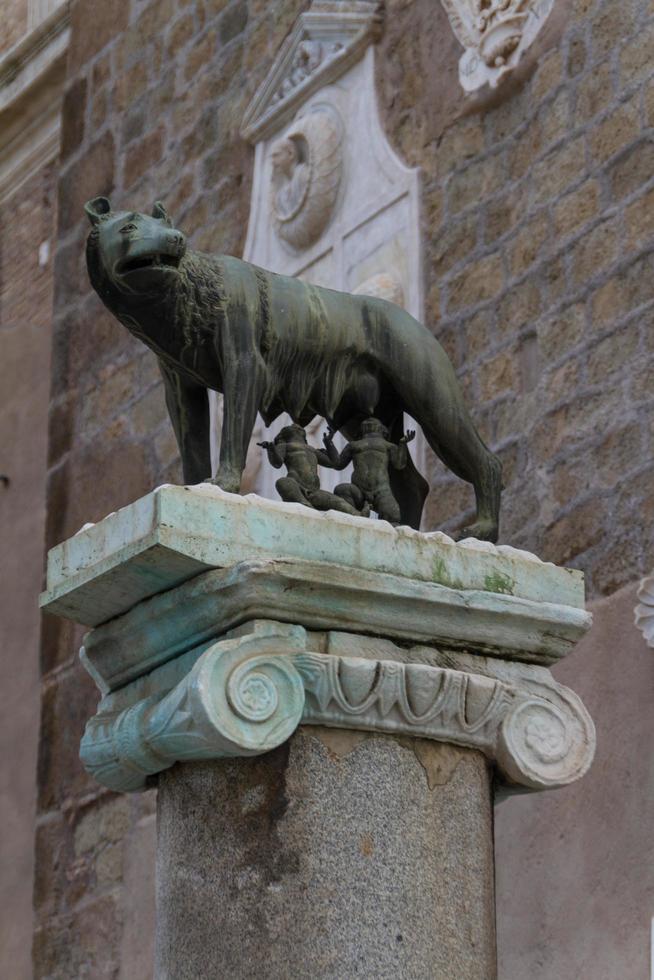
273,344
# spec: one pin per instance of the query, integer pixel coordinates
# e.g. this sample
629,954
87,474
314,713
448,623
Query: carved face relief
291,172
495,33
306,165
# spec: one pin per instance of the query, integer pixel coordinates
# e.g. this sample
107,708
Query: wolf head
137,253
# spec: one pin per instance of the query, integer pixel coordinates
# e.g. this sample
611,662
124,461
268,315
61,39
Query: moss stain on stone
498,582
441,575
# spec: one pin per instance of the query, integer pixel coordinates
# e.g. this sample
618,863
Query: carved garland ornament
306,165
246,696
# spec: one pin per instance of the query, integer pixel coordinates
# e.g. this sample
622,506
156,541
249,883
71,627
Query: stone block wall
539,232
14,22
27,221
537,271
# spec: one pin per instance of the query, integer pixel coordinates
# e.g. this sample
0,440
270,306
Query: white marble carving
306,164
306,60
187,586
331,201
325,41
645,610
242,697
383,286
495,34
246,694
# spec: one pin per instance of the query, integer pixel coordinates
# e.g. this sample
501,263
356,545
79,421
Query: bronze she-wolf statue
273,344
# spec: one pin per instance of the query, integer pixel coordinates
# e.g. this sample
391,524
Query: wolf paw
483,530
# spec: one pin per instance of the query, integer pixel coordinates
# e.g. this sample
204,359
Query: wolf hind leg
463,451
488,492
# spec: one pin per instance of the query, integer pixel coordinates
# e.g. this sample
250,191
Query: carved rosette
306,167
644,613
543,745
246,696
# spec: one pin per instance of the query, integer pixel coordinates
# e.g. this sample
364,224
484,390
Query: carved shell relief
306,165
494,33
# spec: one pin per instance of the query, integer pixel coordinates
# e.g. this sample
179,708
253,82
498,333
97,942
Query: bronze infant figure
301,485
374,458
273,344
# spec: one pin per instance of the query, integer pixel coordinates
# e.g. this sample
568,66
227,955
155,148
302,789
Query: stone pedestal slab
176,533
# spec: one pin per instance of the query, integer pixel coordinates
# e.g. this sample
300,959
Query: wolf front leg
243,387
188,407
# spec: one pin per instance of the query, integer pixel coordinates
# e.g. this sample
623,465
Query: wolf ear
159,211
97,209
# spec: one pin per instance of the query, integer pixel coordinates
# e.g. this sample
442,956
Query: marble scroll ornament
245,695
495,35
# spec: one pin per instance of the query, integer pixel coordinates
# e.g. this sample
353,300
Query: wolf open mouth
149,262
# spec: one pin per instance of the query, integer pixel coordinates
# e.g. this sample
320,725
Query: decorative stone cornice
22,63
644,613
32,76
324,43
246,694
327,597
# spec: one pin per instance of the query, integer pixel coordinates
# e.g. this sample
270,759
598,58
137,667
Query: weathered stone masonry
539,232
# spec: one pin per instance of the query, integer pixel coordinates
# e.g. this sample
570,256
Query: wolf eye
129,227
